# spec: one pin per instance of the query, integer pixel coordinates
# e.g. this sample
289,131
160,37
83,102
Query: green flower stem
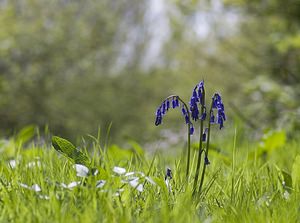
189,151
206,150
200,145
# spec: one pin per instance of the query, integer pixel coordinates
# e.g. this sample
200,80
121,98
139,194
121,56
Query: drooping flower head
197,97
168,174
158,120
206,160
219,106
204,134
164,107
201,92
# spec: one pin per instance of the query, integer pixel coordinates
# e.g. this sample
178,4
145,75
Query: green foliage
68,149
252,191
271,59
11,146
288,181
78,65
271,141
59,67
118,154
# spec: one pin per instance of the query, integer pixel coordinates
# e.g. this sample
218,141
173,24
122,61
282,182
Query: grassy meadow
245,182
69,68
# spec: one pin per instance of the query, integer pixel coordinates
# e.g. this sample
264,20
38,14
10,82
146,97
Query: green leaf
287,178
296,172
69,150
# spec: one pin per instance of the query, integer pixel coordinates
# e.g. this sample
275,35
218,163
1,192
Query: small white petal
33,164
36,188
100,183
64,185
96,172
167,181
119,170
286,195
25,186
118,193
135,184
140,188
12,164
44,197
73,184
129,174
81,170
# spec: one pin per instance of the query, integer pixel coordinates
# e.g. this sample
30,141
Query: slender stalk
206,150
189,151
188,133
200,146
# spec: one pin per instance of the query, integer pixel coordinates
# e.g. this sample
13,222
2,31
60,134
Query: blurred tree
66,64
77,65
269,37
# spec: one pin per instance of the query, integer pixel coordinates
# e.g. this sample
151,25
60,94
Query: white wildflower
100,183
81,170
119,170
12,164
135,184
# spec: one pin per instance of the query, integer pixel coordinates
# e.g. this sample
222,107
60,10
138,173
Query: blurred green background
76,65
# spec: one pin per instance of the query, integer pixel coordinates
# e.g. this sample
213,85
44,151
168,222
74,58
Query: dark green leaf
69,150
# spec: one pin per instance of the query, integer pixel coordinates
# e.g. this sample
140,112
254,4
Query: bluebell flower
158,120
192,130
212,117
200,92
187,120
194,112
203,116
220,119
206,161
218,104
164,107
184,112
168,174
177,102
194,107
173,103
168,105
197,97
204,135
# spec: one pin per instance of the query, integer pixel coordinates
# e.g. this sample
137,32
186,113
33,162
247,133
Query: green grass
238,187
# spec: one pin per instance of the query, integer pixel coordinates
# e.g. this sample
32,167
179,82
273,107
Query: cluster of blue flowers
218,104
197,97
165,106
196,111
